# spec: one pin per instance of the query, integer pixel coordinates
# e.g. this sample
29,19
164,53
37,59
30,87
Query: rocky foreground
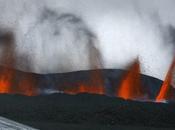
85,111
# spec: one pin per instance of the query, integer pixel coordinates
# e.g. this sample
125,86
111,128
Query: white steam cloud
67,35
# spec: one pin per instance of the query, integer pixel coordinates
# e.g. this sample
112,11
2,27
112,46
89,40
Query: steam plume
60,36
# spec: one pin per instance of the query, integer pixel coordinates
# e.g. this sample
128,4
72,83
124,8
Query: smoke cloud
59,36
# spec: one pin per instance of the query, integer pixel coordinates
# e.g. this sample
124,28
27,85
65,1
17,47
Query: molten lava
95,85
130,87
11,81
166,87
27,86
97,82
6,79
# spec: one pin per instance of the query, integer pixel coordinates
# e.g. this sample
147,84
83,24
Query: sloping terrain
85,110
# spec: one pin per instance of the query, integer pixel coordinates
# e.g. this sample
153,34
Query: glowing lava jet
11,81
130,87
166,87
7,58
6,81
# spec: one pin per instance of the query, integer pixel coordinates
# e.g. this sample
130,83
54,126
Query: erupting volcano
165,90
130,87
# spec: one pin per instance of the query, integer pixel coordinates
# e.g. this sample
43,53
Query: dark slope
85,109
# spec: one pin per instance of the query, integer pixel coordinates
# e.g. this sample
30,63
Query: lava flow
130,87
166,87
6,77
27,85
12,82
95,85
7,58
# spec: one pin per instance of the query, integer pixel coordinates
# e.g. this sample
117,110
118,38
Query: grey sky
122,29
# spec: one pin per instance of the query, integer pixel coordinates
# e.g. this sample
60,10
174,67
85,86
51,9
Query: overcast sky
57,35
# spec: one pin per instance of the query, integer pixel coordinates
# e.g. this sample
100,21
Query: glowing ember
166,87
130,87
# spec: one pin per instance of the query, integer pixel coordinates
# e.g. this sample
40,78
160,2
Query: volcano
102,82
83,100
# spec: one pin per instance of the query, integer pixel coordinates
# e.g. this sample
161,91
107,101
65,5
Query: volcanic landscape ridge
128,84
101,81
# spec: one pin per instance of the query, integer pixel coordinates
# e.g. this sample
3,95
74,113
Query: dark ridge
60,81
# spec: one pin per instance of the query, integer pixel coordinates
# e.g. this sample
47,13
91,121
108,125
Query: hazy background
67,35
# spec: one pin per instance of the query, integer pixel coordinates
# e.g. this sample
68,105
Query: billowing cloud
61,36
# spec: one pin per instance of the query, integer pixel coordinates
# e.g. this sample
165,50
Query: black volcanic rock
86,109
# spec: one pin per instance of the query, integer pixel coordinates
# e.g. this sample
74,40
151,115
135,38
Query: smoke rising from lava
60,36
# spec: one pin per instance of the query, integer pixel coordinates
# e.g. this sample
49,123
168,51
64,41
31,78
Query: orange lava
27,86
6,79
84,88
166,87
11,83
130,87
95,85
91,89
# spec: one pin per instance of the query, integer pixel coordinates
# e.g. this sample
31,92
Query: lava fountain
130,86
11,81
6,79
165,90
7,58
